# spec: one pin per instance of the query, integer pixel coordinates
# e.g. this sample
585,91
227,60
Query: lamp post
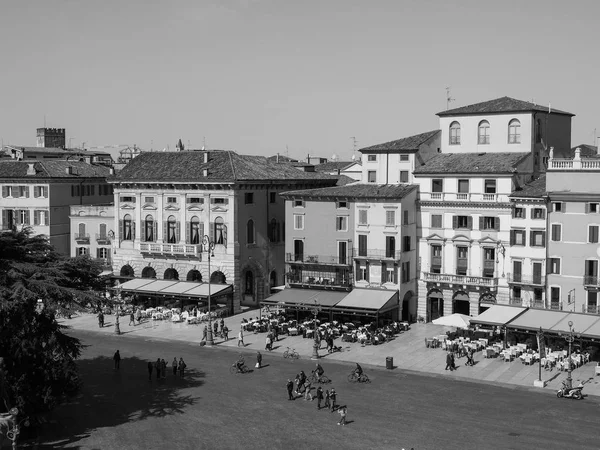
315,310
117,304
210,250
569,338
542,352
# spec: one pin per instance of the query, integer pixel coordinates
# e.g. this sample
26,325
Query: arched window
273,279
455,133
195,233
514,132
149,229
171,230
218,277
483,135
171,274
220,231
81,231
249,283
127,228
127,271
250,232
148,272
194,275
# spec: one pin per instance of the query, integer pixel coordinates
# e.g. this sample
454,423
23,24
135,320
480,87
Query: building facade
92,231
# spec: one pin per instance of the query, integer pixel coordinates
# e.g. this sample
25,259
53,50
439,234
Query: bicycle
314,378
354,377
234,369
292,354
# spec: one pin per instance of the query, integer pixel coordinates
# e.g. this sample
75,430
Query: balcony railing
460,279
302,258
189,250
82,238
319,282
102,239
572,164
371,253
528,280
590,281
516,301
590,309
462,196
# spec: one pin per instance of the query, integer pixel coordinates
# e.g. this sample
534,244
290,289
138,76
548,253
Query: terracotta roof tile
52,169
357,191
451,163
533,189
332,166
411,143
500,105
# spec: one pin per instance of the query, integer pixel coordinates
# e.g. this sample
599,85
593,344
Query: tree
37,368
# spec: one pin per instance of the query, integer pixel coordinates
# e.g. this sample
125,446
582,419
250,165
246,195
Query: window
92,189
81,231
538,213
274,231
437,185
362,217
40,191
249,198
148,199
593,234
342,252
23,217
537,273
558,207
127,228
404,176
514,132
462,260
591,272
342,205
171,199
362,273
406,244
436,259
390,218
517,237
556,232
195,200
126,199
489,259
250,232
489,186
455,133
516,292
554,297
483,136
102,230
362,245
436,221
372,176
172,230
102,253
592,302
489,223
518,213
406,272
388,273
341,223
196,231
404,217
82,251
390,247
592,208
537,238
272,197
23,191
7,191
517,271
371,158
298,222
149,225
554,266
462,222
298,203
219,201
463,186
403,158
40,217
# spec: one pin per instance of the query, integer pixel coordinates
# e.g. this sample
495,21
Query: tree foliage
37,368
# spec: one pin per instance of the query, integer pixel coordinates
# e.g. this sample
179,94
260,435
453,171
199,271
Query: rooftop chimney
69,170
205,173
31,169
111,170
205,157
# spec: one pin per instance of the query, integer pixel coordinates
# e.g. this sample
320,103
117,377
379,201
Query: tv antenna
449,98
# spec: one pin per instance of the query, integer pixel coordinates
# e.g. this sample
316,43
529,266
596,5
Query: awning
533,319
498,315
368,301
592,332
134,284
301,298
202,290
179,288
155,286
581,322
173,287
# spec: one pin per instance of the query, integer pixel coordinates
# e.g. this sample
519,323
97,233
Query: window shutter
357,274
531,238
211,231
27,221
133,230
395,274
26,191
4,191
97,253
188,232
497,224
481,220
512,237
564,207
225,235
543,213
5,219
121,232
455,222
201,231
165,232
367,271
543,238
178,231
525,239
587,208
469,222
36,217
36,192
143,232
514,211
155,234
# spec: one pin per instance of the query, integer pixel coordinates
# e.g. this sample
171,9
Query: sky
285,76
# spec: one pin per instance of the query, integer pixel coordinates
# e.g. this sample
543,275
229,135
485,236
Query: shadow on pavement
112,397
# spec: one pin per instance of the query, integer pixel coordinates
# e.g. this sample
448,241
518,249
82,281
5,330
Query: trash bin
389,362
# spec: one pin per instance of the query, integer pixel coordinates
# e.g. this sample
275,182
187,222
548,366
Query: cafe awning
533,319
301,298
592,332
498,315
150,286
369,301
155,286
581,323
136,283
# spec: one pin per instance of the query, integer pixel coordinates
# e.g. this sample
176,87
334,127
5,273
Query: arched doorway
248,287
148,272
171,274
127,271
460,303
486,300
406,307
435,304
217,277
194,275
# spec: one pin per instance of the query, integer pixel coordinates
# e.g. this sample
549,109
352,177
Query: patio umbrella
454,320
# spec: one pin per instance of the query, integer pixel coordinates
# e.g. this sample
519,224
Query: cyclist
240,363
358,371
319,371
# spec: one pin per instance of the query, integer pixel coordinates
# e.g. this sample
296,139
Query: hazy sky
257,75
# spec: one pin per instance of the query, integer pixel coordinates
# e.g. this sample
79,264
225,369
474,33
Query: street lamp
315,310
117,303
210,250
542,352
569,338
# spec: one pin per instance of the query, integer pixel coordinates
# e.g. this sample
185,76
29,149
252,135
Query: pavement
407,350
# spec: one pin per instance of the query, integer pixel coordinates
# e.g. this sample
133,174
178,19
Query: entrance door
405,313
436,307
462,307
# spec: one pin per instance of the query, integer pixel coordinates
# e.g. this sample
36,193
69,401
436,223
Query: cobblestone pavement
407,349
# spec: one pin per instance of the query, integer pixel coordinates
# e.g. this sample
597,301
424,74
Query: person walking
182,367
452,361
241,338
225,332
258,360
131,319
157,368
327,404
333,397
290,389
222,324
268,342
204,333
307,391
150,369
343,411
100,319
175,366
163,366
319,397
117,360
448,361
216,328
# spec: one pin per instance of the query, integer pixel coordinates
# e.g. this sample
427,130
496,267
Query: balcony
590,309
301,258
460,279
377,254
82,238
516,278
463,196
185,250
337,281
102,239
589,281
515,301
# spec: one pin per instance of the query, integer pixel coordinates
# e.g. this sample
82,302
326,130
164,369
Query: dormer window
483,136
342,205
298,203
455,133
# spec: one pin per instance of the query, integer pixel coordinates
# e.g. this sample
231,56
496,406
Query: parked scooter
574,392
